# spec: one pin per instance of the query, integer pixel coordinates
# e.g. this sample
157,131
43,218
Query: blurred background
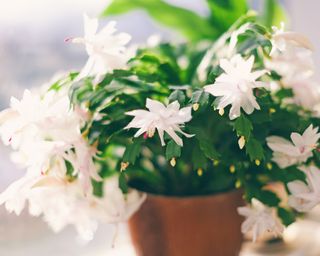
32,50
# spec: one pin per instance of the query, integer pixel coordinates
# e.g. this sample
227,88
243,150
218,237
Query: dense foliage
224,105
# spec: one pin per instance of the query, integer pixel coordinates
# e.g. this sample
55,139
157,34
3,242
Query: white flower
62,202
281,40
81,158
49,112
235,86
287,153
106,50
114,205
295,63
306,93
15,196
42,129
291,55
260,219
305,196
163,118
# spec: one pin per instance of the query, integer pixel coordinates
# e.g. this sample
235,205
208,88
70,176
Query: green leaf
132,151
123,185
287,175
57,85
70,169
172,150
254,149
208,149
286,216
198,158
269,198
200,97
243,126
177,95
190,24
97,188
284,93
273,14
225,12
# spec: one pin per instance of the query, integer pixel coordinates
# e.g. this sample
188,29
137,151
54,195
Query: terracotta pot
188,226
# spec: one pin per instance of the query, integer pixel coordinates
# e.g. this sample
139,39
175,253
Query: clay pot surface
188,226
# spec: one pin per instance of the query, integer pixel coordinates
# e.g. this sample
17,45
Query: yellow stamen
269,166
221,112
238,184
200,172
173,162
85,133
257,162
215,162
232,168
124,166
272,110
195,106
151,131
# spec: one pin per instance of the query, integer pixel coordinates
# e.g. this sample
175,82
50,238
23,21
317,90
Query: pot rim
193,197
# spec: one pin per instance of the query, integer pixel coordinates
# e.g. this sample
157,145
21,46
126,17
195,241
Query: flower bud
195,106
124,166
241,142
173,162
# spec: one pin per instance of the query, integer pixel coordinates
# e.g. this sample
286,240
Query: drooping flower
106,49
260,219
33,112
295,63
305,196
162,118
291,55
306,93
43,128
62,202
235,86
287,153
45,133
282,39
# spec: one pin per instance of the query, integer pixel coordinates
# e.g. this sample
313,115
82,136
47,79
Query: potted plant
190,131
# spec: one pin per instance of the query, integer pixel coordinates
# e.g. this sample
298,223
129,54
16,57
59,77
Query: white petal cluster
292,58
283,40
296,151
305,196
45,129
235,86
306,94
45,133
106,49
62,202
260,219
162,118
